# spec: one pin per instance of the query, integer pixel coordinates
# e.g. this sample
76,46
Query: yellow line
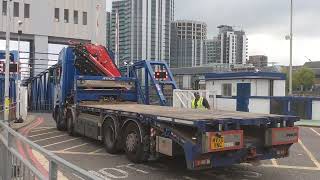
313,159
315,131
59,142
73,147
292,167
50,138
96,151
274,162
43,134
40,129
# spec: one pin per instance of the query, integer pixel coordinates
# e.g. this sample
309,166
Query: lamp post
291,42
19,118
7,66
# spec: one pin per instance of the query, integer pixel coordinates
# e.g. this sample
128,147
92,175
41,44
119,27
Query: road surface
303,163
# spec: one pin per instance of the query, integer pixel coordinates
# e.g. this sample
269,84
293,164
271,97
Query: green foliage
303,79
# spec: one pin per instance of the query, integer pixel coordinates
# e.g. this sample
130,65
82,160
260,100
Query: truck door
243,94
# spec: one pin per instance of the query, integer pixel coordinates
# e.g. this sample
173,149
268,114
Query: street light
7,67
19,118
291,42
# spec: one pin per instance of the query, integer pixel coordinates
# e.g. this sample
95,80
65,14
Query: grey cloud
254,16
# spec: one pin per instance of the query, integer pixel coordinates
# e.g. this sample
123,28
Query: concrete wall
259,106
316,110
279,88
43,23
187,84
226,104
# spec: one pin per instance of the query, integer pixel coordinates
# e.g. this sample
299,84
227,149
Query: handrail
54,160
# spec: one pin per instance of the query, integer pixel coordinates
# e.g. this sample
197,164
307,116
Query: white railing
183,98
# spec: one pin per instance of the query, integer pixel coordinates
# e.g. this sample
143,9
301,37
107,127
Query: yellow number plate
217,142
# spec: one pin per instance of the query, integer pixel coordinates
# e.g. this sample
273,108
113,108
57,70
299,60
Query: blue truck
130,113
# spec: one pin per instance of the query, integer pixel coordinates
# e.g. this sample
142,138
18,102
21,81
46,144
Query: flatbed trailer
91,99
207,138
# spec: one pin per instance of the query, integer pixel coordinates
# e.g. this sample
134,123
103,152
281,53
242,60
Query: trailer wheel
110,139
136,148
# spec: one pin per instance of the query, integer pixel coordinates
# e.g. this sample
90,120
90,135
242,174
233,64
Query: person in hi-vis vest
199,102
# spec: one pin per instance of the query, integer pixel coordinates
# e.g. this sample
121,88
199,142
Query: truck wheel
70,124
61,126
110,139
136,150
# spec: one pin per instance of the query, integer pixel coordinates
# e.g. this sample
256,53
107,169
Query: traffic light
160,75
13,68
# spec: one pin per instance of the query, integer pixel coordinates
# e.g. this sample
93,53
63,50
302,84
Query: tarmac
308,123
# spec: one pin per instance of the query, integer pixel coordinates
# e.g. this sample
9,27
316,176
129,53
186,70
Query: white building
140,30
234,89
56,22
188,48
229,47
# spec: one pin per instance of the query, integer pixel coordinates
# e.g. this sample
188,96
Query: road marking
73,147
40,129
313,159
131,166
315,131
43,134
59,142
82,153
93,152
274,162
292,167
45,163
50,138
188,178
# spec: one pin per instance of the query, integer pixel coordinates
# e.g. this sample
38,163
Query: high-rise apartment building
213,51
188,40
229,47
140,29
108,29
258,60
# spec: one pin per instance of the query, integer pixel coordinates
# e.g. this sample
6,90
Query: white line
188,178
50,138
43,134
313,159
292,167
274,163
93,152
73,147
60,142
40,129
82,153
315,131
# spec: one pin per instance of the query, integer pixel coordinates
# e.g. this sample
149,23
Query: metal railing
14,166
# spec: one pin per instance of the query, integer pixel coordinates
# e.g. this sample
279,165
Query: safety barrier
14,166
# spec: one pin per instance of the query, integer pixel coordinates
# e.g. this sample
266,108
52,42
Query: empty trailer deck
189,115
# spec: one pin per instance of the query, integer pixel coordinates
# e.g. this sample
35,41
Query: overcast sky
266,23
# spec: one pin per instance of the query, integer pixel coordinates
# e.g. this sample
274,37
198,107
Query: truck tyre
70,124
110,136
59,123
136,143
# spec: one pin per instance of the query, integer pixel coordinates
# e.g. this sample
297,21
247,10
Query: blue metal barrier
41,91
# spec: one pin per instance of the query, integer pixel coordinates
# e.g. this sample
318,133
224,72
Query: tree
303,79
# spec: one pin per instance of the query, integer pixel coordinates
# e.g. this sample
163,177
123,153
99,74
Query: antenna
308,58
